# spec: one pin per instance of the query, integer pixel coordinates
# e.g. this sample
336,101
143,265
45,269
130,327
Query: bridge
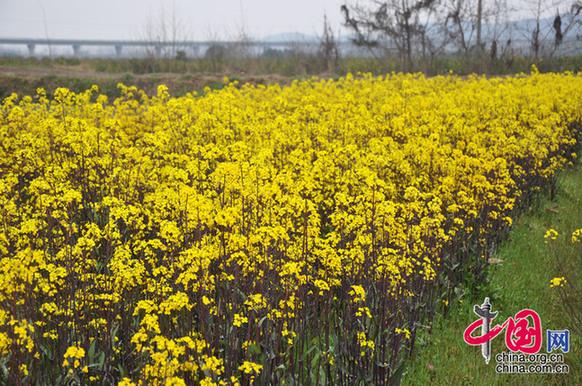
569,47
157,46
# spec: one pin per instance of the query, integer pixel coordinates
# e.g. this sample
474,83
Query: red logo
520,335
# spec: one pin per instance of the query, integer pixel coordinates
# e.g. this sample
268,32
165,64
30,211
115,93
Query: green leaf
91,351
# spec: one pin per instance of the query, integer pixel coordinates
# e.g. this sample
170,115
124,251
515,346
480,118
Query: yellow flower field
258,234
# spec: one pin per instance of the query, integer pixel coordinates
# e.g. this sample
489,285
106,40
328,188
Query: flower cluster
558,282
73,356
551,235
577,236
259,234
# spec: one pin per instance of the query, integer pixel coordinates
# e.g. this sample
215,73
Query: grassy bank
518,278
24,75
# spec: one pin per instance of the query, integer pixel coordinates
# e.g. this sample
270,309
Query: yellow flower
126,382
577,236
558,282
73,356
358,293
365,344
256,302
403,331
551,235
175,381
239,320
147,223
250,368
207,382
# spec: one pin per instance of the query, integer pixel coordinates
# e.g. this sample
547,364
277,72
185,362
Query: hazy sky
198,19
202,19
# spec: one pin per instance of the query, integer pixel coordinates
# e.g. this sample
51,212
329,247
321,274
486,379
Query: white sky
127,19
200,19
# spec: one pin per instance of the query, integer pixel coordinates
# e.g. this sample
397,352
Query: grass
24,75
519,279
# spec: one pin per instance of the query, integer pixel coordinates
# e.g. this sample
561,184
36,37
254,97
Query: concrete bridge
569,47
195,47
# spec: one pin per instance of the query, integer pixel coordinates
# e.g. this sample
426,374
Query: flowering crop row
264,234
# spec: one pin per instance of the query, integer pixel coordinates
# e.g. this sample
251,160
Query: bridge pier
118,49
76,49
31,48
158,50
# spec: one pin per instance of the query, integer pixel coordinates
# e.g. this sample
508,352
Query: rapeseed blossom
73,356
236,236
558,282
551,235
577,236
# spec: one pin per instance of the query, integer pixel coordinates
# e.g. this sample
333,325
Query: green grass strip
518,278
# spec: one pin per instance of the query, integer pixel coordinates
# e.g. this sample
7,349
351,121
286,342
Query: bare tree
471,23
242,47
241,40
458,23
167,33
548,32
479,23
566,23
535,35
500,29
328,49
216,52
433,37
398,24
45,26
